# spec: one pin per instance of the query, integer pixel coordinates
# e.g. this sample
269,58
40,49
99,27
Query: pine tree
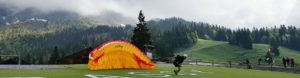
54,56
141,36
269,57
0,59
242,38
275,47
248,40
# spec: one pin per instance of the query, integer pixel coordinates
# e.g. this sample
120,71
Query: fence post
212,63
196,61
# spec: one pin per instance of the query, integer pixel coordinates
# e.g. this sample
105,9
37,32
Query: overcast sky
230,13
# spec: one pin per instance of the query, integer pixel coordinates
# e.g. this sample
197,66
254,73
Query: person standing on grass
229,62
259,61
292,62
284,62
248,64
177,63
287,61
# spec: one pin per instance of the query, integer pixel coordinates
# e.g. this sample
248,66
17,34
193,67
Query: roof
80,57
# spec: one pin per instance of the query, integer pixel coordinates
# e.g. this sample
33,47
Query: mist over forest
34,30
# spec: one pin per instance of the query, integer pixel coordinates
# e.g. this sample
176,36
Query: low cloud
230,13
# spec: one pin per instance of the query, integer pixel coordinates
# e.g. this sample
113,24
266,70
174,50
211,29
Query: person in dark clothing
248,64
284,62
229,62
287,61
259,61
177,63
292,62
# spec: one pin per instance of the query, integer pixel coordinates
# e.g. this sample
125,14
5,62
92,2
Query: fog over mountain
230,13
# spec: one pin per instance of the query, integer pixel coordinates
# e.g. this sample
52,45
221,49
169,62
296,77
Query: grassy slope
78,71
221,52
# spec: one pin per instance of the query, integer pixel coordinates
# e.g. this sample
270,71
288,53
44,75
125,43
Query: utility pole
19,62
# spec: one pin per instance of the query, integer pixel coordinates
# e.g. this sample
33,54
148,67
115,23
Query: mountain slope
221,52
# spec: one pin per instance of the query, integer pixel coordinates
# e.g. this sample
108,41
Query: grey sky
230,13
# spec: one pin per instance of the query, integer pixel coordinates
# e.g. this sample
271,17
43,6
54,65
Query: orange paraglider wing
118,55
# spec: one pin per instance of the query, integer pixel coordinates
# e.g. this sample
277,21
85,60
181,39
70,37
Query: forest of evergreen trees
287,36
37,46
167,35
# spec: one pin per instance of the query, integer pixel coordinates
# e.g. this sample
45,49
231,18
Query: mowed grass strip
79,71
222,52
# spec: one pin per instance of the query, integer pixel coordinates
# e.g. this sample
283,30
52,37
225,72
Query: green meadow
222,52
81,71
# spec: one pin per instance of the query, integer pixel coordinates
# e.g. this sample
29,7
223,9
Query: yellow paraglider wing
118,55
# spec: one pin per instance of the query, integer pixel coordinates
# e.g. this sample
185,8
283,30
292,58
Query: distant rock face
9,16
32,24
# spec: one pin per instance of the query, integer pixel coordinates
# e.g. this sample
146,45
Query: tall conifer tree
141,36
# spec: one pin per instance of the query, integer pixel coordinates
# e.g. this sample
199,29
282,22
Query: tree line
173,28
168,35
